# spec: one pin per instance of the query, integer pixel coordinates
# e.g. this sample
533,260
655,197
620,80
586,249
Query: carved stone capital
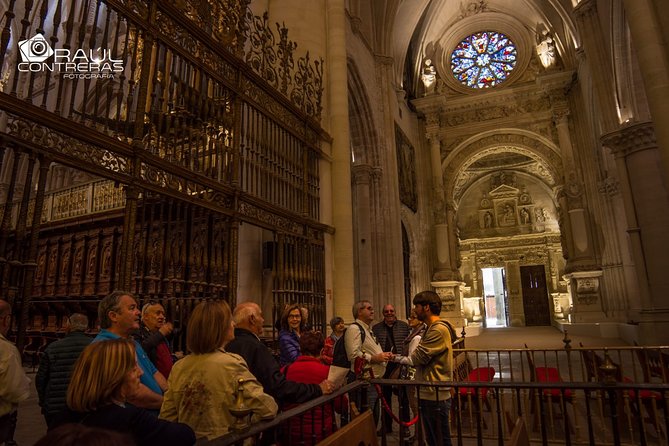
361,173
560,113
630,139
609,186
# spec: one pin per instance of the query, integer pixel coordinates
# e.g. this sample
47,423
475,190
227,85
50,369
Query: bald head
248,316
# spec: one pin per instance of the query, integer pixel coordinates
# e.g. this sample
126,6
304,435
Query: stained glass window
484,59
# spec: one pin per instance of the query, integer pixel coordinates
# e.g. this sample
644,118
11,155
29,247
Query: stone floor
31,425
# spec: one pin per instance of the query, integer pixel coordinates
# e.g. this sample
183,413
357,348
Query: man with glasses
391,333
433,359
369,349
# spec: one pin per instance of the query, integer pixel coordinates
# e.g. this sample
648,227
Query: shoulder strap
362,332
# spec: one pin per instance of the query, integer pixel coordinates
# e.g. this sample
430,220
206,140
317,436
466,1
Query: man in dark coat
249,325
153,334
55,368
390,334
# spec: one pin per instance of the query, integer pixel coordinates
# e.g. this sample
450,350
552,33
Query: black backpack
339,355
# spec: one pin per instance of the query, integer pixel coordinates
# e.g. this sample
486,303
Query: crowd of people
127,381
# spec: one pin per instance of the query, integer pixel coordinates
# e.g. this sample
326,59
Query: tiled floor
31,425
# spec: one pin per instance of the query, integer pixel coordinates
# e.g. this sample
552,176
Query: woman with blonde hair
203,386
104,377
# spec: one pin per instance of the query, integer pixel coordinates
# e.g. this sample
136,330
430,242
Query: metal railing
564,396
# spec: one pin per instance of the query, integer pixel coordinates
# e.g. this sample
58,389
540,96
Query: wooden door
535,295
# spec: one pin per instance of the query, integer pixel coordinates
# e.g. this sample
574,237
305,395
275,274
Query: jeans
435,421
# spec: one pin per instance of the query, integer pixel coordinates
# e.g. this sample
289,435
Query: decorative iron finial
567,341
239,410
608,369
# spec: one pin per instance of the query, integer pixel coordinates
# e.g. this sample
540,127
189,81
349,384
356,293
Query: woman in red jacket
338,327
311,427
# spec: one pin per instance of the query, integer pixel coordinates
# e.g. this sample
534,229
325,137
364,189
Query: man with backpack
433,359
361,343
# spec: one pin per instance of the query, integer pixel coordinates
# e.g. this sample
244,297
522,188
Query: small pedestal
451,293
586,296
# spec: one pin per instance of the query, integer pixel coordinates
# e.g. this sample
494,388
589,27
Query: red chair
479,374
551,375
553,396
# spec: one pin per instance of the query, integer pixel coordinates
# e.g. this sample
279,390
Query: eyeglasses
388,311
294,316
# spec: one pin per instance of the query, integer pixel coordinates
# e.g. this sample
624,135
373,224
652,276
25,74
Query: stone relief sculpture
487,220
406,172
506,215
524,217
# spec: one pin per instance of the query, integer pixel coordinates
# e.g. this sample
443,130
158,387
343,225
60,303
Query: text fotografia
80,64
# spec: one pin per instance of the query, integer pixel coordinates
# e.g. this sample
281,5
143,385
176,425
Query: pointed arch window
484,59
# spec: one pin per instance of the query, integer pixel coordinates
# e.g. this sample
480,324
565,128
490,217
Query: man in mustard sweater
433,359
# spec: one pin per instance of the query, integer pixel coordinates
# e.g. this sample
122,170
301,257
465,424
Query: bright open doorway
494,294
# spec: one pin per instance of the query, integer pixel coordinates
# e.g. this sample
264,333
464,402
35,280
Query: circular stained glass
484,59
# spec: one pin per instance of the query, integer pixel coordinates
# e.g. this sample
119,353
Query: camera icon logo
36,49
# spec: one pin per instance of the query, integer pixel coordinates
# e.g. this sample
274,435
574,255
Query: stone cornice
631,138
467,102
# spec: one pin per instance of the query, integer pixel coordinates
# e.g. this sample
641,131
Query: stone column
594,45
641,180
365,270
446,277
444,268
575,226
653,56
342,218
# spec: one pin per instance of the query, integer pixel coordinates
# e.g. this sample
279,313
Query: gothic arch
547,165
364,141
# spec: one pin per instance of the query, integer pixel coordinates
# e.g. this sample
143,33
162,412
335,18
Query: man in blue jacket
118,316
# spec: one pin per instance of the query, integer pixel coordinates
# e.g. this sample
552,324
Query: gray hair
110,303
78,322
358,306
244,311
149,304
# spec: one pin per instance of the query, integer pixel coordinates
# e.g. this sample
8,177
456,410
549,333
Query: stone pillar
342,218
647,211
364,270
579,228
594,45
445,267
653,56
575,227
